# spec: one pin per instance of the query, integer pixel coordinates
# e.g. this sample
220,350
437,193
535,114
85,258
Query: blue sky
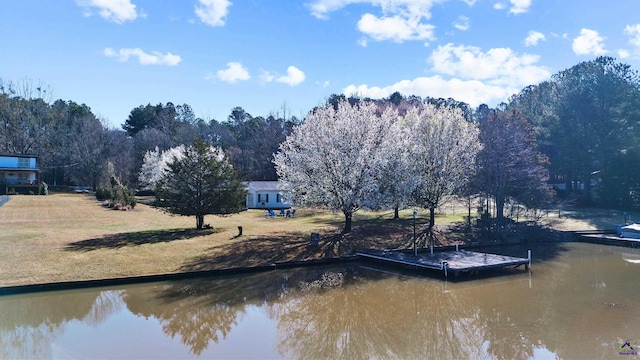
268,55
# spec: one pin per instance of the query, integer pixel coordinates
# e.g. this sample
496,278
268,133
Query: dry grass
65,237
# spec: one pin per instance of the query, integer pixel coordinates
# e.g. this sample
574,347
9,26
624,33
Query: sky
284,57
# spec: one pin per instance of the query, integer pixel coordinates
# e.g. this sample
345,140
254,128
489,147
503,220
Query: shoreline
574,236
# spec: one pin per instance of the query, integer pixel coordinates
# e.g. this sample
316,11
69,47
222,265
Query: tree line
76,148
577,132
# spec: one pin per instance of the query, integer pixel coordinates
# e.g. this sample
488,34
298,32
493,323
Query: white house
266,195
19,173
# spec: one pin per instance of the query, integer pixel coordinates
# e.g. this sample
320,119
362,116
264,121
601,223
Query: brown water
580,301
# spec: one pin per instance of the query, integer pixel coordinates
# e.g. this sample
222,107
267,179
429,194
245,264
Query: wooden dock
448,261
608,238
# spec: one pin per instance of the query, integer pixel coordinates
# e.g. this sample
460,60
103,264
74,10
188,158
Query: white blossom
335,157
443,150
154,165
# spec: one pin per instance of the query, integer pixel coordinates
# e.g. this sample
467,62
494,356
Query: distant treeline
585,121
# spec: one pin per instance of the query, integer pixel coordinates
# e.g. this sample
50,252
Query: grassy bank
65,237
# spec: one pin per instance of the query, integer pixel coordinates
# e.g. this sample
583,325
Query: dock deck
448,261
609,239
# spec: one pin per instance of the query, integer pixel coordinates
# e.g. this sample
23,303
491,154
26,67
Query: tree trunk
499,210
347,222
396,213
199,222
469,203
432,217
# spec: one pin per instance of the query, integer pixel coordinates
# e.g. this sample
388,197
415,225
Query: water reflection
29,324
579,303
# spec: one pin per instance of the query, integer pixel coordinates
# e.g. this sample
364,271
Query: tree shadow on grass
295,246
261,251
120,240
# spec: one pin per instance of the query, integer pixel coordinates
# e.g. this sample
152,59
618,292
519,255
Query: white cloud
462,23
266,76
155,58
467,74
473,92
589,43
497,66
213,12
519,6
406,8
400,20
117,11
633,31
624,53
395,28
470,2
533,38
233,73
294,76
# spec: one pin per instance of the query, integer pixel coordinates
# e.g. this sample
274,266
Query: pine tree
201,182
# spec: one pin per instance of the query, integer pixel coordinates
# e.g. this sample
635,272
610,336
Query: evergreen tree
201,182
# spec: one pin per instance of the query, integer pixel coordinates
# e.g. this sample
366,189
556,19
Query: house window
263,198
278,198
23,162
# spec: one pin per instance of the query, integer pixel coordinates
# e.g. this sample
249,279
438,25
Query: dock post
528,259
456,247
431,249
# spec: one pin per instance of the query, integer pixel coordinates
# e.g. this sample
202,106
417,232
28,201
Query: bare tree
509,165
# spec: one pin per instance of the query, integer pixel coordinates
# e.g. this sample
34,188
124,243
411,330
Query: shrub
116,196
44,188
103,193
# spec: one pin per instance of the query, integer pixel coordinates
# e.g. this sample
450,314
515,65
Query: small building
19,173
266,195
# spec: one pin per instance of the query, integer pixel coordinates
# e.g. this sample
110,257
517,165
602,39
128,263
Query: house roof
18,155
632,227
19,169
264,185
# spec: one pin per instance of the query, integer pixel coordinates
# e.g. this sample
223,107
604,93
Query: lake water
580,301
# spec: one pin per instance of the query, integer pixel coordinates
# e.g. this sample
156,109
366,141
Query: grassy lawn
64,237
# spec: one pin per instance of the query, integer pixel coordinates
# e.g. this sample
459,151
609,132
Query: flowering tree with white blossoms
443,148
154,165
335,157
395,184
